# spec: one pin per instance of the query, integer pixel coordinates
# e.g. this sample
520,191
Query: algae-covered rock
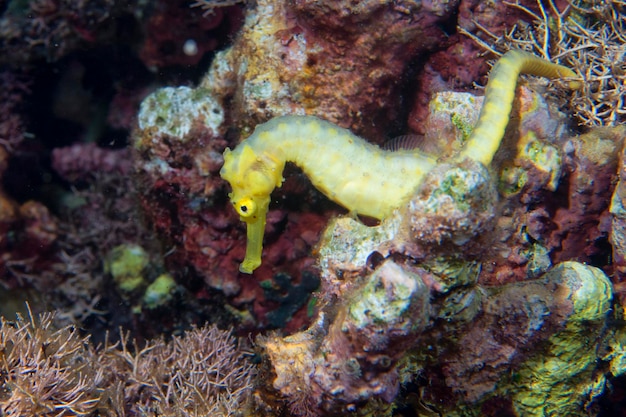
562,378
452,116
126,264
174,111
393,301
531,349
543,156
347,243
454,204
160,291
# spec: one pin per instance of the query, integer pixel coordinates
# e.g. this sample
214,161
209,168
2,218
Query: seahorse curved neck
359,176
350,171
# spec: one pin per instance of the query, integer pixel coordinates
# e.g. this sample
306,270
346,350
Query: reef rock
414,299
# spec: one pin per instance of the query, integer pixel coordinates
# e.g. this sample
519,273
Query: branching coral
203,373
45,371
587,36
49,372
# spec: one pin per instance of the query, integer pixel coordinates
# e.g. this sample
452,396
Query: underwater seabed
143,144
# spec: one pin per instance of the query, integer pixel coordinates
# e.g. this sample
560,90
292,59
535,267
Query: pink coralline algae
338,60
83,160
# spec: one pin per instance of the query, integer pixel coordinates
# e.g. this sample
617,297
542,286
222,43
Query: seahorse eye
245,207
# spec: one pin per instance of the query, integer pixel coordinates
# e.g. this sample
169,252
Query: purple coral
83,160
13,89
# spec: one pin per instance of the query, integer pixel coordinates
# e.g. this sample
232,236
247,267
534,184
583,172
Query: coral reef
285,55
328,59
406,287
487,292
371,181
404,295
473,344
60,251
73,74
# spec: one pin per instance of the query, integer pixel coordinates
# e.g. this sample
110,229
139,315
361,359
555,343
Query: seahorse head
252,177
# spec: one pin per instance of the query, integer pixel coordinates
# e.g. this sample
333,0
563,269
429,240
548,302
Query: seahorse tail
485,139
534,65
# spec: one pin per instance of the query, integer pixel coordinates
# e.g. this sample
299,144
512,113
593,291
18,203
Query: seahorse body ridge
358,175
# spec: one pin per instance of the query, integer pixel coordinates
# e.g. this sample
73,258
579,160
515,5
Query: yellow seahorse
360,176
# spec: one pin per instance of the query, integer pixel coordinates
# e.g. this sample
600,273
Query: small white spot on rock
190,47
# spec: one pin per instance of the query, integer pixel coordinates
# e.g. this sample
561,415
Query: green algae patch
385,297
561,379
160,292
126,264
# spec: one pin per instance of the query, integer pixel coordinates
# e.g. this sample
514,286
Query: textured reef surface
496,288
